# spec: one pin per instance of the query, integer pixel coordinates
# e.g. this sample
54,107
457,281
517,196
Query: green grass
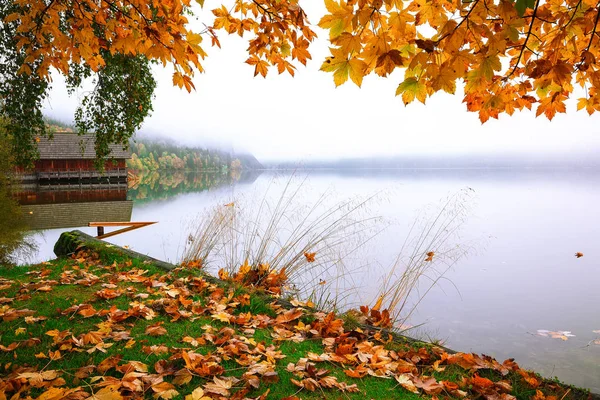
259,304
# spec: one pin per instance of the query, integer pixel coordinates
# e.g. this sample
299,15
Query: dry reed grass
281,230
432,247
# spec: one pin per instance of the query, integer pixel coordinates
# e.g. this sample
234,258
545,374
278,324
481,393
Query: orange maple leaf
310,257
430,255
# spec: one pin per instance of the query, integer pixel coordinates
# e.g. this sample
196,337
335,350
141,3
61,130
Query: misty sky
306,117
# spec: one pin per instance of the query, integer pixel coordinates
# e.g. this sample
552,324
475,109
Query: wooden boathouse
69,157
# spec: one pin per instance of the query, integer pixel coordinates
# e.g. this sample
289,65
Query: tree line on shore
150,155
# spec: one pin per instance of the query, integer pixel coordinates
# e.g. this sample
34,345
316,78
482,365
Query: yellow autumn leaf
107,393
178,79
244,268
53,393
489,65
343,69
587,104
197,394
222,316
410,89
406,383
339,19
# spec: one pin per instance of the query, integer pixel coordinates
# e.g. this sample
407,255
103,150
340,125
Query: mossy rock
69,242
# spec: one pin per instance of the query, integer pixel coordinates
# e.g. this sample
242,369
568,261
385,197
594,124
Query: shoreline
440,371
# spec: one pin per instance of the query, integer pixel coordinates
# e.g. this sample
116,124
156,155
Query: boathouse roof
68,146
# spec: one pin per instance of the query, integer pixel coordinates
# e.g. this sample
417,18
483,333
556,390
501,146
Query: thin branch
146,20
595,26
370,20
43,14
266,11
537,3
574,12
83,13
486,7
541,19
466,17
536,36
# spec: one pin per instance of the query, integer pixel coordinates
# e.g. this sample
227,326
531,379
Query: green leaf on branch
523,5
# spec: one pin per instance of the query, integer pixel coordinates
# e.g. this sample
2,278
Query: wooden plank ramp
130,226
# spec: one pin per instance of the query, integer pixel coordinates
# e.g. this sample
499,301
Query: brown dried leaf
428,384
405,381
164,390
156,329
218,386
289,316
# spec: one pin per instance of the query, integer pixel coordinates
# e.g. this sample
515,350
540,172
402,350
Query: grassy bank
103,325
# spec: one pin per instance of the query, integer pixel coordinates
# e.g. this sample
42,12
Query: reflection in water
15,241
161,185
71,206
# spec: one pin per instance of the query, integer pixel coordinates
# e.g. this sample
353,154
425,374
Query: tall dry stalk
427,254
208,235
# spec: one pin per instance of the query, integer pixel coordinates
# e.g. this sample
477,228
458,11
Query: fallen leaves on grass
191,327
311,378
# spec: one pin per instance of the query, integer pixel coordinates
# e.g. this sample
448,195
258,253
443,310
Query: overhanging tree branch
594,29
529,32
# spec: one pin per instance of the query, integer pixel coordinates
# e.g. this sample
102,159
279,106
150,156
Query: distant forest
150,155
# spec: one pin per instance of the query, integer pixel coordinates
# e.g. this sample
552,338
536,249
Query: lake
522,231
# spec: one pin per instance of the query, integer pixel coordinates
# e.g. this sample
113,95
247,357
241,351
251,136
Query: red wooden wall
73,165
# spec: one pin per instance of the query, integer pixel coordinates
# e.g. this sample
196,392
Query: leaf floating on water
578,255
562,335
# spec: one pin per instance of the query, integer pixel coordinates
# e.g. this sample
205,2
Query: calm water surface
521,276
